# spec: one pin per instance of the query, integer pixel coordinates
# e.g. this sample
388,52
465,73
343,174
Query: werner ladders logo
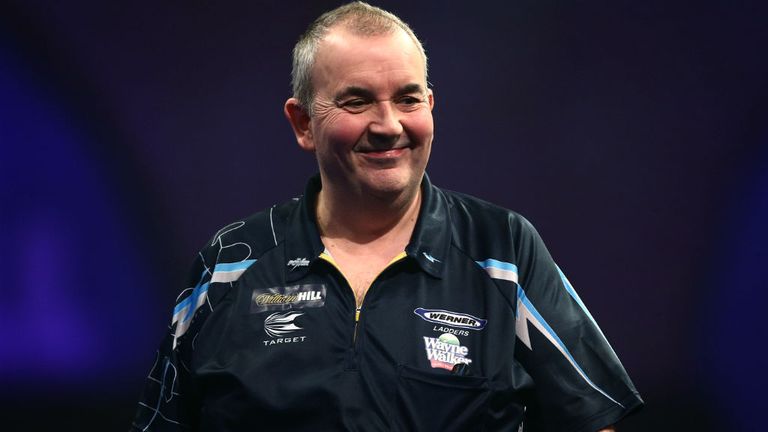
453,319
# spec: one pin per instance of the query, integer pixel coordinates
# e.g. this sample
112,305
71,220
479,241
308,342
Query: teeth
381,150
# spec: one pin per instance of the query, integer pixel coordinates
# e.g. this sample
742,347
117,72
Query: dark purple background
633,134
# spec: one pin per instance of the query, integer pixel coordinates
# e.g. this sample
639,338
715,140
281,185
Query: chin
389,186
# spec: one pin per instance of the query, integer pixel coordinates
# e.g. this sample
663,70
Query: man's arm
579,379
169,402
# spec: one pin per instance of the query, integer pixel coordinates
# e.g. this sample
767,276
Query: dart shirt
473,327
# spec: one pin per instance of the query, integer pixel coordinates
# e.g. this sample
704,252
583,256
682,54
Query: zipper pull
357,315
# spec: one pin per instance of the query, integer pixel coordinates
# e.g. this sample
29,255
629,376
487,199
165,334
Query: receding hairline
375,25
358,19
340,28
325,46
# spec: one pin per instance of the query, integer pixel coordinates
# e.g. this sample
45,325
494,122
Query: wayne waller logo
446,351
453,319
290,297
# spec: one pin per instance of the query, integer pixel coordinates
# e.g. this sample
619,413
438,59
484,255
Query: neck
366,219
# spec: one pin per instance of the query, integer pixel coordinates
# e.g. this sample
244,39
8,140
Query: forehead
345,59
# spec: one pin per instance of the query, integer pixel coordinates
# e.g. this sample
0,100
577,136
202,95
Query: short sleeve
579,382
170,401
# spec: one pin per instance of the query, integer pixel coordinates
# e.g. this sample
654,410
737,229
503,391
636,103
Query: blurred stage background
633,134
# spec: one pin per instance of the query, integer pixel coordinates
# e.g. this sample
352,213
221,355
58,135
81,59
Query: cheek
340,129
420,126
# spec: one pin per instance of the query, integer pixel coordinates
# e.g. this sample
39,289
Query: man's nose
386,120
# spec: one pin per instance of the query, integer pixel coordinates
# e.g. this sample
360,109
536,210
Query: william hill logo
453,319
282,298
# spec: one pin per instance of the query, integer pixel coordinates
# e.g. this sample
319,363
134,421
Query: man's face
372,124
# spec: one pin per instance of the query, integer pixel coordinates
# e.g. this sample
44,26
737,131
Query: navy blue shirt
473,327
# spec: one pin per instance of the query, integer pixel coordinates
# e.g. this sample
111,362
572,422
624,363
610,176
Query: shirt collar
302,238
432,234
428,246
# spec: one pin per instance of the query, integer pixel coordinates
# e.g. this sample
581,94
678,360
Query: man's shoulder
469,210
232,251
483,229
252,236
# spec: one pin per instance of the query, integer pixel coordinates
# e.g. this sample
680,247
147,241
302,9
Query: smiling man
378,301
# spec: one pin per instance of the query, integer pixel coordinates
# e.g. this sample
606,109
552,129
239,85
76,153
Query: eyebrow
410,88
365,93
353,91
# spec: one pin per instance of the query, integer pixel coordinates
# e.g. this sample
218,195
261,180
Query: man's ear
298,117
431,98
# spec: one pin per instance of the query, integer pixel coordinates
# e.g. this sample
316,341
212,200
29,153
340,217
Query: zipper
326,256
357,322
359,308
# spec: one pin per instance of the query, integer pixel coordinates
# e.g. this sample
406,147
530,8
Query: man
377,301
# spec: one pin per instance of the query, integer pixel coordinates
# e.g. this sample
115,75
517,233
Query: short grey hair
358,17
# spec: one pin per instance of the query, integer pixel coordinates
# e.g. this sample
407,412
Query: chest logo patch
279,326
452,319
446,351
290,297
297,262
281,323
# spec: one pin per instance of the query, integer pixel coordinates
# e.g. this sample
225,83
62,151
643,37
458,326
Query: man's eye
408,100
354,103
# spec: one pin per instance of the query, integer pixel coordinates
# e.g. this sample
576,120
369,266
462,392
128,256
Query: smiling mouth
383,153
384,150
